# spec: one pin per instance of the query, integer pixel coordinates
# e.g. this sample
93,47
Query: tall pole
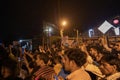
63,24
77,35
61,33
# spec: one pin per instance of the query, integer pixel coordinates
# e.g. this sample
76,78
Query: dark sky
23,18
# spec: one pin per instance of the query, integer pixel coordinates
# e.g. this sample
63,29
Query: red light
116,21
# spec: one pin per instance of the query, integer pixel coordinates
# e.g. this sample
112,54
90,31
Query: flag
117,31
105,27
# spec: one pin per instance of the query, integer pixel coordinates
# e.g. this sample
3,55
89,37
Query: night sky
24,18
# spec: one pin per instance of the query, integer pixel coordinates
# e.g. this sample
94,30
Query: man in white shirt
73,61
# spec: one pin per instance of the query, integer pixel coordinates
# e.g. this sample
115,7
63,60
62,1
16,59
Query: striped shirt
45,72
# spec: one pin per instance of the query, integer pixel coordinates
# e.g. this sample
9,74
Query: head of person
3,53
109,64
9,68
96,52
73,58
42,59
117,46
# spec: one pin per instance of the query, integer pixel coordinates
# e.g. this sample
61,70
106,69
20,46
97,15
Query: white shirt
114,76
79,74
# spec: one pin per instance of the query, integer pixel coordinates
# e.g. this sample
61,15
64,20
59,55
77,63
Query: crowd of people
89,60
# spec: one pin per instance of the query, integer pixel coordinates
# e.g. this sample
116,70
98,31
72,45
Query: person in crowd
9,70
3,53
30,64
73,61
45,71
110,67
3,56
115,49
60,72
58,65
41,49
92,67
53,48
96,53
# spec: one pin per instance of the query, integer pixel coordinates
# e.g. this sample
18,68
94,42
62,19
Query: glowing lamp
115,21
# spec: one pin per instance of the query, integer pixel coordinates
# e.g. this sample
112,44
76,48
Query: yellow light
64,23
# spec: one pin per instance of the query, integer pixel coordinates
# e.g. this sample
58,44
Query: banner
105,27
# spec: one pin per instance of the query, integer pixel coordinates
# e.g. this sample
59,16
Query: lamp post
63,24
47,31
49,35
77,34
62,28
